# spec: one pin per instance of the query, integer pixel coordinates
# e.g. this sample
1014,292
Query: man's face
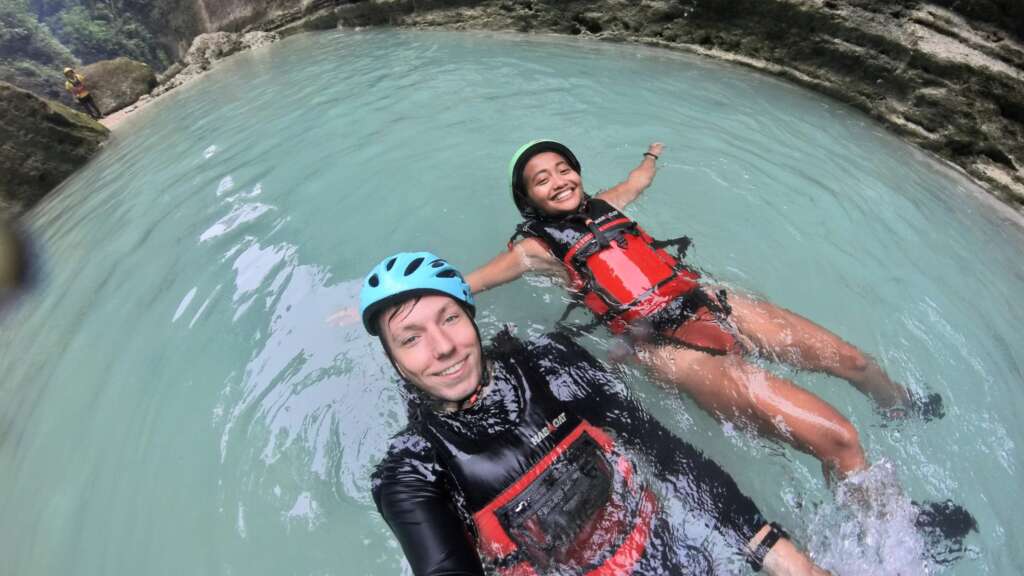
435,346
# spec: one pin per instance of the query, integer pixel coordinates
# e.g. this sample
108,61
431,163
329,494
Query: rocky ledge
41,143
207,49
117,83
951,85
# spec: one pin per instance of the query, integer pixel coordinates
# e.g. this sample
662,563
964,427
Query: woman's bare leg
731,388
791,338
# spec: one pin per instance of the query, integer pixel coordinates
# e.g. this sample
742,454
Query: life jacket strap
520,231
574,328
681,245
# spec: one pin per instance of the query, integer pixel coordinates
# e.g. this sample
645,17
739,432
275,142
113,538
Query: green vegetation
48,32
38,38
23,37
103,30
30,56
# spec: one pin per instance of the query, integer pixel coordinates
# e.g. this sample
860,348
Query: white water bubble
238,216
199,313
226,184
869,529
210,151
305,509
240,522
184,304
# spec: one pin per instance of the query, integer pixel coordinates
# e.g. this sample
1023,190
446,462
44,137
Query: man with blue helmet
523,458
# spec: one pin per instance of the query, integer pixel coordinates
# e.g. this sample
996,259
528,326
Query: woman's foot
944,526
928,407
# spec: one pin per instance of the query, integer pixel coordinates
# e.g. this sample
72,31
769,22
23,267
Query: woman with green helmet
683,331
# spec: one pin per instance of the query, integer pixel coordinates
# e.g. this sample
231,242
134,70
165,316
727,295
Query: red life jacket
619,272
78,89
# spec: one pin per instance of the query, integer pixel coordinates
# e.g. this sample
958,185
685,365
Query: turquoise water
174,400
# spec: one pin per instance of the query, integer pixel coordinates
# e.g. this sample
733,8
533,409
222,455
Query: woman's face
435,346
552,185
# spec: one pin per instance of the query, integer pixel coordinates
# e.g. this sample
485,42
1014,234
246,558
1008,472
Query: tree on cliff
39,37
22,36
102,30
30,56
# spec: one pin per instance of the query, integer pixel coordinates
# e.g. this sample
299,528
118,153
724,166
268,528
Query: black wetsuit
443,468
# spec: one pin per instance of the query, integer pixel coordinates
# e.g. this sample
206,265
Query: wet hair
393,310
384,317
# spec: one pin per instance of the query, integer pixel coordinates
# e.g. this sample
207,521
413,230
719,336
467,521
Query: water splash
869,528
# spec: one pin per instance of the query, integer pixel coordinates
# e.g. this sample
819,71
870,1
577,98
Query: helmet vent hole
449,273
390,265
413,266
437,263
373,281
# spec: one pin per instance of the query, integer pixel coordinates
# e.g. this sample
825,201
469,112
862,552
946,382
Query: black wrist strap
651,154
775,532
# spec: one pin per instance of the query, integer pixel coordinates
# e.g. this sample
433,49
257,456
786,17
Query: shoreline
114,120
972,154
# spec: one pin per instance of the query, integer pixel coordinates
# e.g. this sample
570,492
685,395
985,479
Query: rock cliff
41,144
205,50
117,83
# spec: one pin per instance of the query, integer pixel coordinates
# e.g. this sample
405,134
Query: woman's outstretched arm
638,180
528,255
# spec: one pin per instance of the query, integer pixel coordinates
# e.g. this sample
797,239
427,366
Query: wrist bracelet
651,154
756,558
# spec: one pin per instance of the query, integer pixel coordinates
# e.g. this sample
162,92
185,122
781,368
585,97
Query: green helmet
518,164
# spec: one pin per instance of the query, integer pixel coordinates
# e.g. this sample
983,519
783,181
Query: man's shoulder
408,443
409,455
507,345
408,463
557,350
566,365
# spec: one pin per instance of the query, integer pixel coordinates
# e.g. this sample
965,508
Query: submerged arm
638,180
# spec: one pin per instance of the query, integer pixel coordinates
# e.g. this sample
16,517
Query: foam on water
869,528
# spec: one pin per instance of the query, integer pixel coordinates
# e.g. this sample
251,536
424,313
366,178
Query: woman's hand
638,180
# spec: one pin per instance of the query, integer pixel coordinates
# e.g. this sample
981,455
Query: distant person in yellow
76,85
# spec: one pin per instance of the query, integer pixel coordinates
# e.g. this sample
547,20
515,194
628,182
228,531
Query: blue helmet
408,274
